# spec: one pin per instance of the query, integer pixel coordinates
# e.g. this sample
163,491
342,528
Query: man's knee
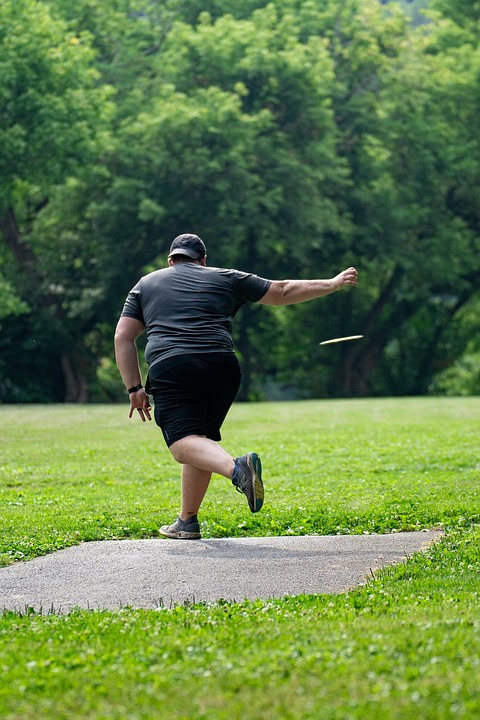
178,450
181,449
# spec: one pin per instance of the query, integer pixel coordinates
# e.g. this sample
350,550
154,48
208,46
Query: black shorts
193,393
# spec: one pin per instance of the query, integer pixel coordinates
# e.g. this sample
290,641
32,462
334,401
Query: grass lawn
405,645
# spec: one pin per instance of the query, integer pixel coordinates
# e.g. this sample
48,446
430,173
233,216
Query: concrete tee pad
153,573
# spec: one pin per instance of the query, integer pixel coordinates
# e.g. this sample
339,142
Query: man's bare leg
200,457
204,454
194,486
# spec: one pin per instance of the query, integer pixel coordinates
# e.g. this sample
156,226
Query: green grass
71,474
405,645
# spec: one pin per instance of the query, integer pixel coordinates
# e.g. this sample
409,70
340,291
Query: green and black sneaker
247,478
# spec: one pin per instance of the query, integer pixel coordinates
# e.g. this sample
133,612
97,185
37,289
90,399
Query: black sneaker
247,478
182,529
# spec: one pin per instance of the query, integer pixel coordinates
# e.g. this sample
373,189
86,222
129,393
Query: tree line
295,137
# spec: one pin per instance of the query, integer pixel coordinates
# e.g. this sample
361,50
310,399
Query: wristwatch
135,388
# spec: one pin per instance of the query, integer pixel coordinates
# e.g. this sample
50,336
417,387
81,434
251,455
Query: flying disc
341,339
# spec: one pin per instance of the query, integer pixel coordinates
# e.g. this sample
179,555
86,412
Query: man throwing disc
187,310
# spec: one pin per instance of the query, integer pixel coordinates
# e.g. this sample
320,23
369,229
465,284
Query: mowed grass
405,645
72,474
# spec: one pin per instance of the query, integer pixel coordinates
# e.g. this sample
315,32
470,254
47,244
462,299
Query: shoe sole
179,534
255,465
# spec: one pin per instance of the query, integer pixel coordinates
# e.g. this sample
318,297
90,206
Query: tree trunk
243,346
245,321
76,384
74,365
357,368
21,251
360,360
426,370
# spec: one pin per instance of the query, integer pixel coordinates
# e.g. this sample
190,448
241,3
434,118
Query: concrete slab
154,573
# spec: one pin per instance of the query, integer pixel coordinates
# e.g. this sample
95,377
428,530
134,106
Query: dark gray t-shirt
189,308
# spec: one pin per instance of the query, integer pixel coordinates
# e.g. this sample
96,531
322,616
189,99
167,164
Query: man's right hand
140,401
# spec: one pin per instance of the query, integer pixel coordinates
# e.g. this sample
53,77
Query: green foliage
10,303
295,137
464,14
461,377
245,131
54,121
48,96
415,9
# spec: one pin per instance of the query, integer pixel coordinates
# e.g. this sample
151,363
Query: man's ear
203,260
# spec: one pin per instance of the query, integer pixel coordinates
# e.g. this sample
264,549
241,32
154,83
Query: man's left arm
127,331
291,292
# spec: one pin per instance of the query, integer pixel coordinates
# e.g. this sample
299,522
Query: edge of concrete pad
159,573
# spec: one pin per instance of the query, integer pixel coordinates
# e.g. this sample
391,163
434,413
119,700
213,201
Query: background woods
295,137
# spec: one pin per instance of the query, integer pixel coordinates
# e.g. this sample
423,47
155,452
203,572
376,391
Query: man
187,309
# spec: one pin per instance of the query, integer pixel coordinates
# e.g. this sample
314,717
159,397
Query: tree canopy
294,137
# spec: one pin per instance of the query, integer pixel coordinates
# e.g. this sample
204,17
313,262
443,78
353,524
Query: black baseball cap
190,245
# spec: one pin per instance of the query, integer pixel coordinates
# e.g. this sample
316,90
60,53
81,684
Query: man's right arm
126,333
291,292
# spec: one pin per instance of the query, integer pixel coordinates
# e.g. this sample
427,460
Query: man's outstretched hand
347,277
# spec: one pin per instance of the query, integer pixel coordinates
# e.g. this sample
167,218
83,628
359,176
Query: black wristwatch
135,388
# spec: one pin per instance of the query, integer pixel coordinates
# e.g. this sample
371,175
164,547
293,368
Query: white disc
341,339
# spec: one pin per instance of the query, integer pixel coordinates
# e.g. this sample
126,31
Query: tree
53,117
405,119
244,150
415,9
296,137
465,15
